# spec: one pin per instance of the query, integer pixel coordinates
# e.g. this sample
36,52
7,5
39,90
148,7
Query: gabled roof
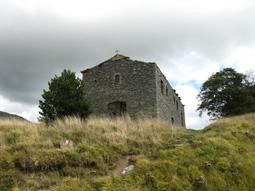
118,57
112,59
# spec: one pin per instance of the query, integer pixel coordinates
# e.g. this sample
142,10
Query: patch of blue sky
173,82
193,83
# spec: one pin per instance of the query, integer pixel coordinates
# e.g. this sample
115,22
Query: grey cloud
33,49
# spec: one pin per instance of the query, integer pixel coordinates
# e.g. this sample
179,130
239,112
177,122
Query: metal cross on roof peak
117,51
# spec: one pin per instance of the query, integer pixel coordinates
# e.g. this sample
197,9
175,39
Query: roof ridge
118,57
115,57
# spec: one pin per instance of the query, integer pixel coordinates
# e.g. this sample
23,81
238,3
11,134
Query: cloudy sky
189,39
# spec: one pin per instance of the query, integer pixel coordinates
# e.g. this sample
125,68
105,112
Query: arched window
172,120
166,91
177,106
117,79
182,119
162,87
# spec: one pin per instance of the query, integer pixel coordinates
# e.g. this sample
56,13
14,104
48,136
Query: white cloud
188,94
191,66
99,9
241,58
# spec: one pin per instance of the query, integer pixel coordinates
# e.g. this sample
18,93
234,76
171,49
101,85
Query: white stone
128,169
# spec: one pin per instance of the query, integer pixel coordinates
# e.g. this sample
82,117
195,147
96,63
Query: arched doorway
117,108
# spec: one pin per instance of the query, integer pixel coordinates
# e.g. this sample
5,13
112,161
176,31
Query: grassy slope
220,157
4,115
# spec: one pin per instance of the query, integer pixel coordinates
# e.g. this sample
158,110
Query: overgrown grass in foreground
220,157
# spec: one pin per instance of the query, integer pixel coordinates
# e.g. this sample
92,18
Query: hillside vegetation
4,115
220,157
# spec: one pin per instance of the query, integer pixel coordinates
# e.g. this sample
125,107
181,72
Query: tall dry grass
119,130
113,130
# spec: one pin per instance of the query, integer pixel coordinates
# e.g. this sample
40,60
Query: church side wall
137,87
169,106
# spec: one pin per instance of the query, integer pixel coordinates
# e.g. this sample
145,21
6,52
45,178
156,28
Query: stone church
121,85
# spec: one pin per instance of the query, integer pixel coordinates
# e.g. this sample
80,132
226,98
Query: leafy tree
227,93
65,97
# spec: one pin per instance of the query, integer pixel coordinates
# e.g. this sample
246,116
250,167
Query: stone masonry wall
137,87
169,106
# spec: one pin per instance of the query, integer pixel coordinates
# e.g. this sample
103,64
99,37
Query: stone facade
121,85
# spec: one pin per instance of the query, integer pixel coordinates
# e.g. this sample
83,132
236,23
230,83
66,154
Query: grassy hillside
220,157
